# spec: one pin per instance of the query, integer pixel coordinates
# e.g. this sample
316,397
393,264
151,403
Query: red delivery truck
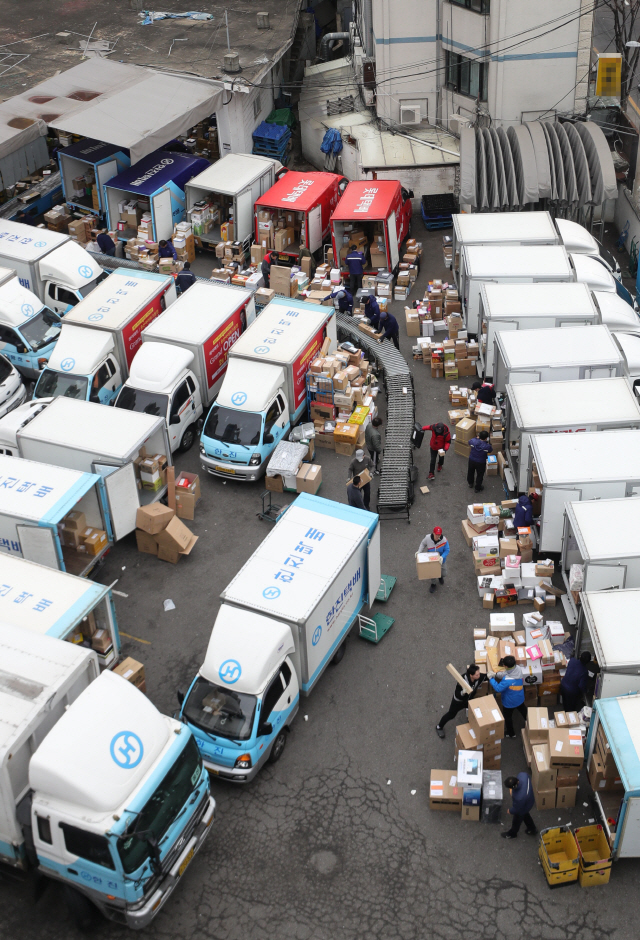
295,213
375,215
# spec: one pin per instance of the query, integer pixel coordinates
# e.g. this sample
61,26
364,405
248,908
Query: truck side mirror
180,696
265,728
174,419
200,424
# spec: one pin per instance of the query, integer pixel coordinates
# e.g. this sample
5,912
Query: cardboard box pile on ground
343,399
555,754
159,532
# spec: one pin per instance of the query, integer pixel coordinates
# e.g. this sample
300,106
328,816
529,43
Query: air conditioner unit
410,115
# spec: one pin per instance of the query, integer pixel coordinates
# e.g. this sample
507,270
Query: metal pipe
326,39
367,15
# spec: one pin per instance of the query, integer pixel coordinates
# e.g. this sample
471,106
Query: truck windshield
233,427
89,287
53,384
160,811
41,330
135,399
220,711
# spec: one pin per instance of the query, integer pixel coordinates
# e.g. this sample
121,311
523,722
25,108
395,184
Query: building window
257,105
467,76
480,6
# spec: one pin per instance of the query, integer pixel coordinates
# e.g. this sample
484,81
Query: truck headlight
254,460
202,450
243,762
42,363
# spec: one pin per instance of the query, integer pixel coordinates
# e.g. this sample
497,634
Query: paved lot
330,843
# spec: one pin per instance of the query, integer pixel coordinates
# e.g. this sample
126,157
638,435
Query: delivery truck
180,366
590,562
220,200
130,451
13,391
101,335
375,215
571,468
526,229
155,185
545,306
629,345
49,264
295,213
98,790
284,617
264,391
28,329
43,600
529,356
52,515
608,629
563,407
613,741
84,169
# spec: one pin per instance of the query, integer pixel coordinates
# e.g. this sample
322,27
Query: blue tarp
157,169
92,151
331,142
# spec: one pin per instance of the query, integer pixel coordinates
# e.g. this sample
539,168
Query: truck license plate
185,864
226,469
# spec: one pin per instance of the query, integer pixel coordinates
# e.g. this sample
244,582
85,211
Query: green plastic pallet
374,628
387,584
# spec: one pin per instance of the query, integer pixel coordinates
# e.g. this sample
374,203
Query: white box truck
629,345
264,390
28,329
566,407
34,500
87,437
98,790
100,336
545,306
608,563
530,356
284,617
226,192
575,467
608,629
58,270
180,366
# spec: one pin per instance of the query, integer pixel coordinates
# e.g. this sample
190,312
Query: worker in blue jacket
523,798
372,311
389,328
511,688
345,299
166,250
355,264
480,450
523,513
574,682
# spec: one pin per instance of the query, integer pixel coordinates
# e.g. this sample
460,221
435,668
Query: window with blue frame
467,76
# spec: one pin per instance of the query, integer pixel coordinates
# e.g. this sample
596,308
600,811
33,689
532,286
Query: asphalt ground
337,841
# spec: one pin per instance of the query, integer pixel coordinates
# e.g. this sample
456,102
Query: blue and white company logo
271,593
317,633
230,671
27,310
126,750
85,271
262,350
39,244
238,398
67,364
94,317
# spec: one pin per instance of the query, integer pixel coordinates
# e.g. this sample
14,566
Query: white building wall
238,119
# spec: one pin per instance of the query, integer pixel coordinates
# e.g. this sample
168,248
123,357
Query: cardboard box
565,746
445,794
365,477
428,565
131,670
153,518
309,478
545,799
543,774
146,543
175,540
465,430
461,448
274,484
538,725
466,738
486,719
101,641
566,797
346,450
598,777
187,492
75,521
527,747
94,540
471,813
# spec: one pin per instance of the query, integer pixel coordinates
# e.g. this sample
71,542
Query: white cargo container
553,407
608,628
629,345
576,467
602,536
284,617
585,352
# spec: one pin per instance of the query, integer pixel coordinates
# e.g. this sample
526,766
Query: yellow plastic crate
594,848
559,855
556,877
593,876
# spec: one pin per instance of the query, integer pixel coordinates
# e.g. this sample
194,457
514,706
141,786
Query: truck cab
12,388
68,277
240,712
28,329
161,383
83,365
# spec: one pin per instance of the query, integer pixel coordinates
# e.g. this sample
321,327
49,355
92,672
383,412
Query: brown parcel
486,719
565,747
444,792
153,518
174,541
131,670
309,478
365,477
101,641
542,773
566,797
545,799
146,543
538,725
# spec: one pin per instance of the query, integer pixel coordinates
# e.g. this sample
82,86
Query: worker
345,299
185,278
92,245
522,800
372,311
460,698
389,328
166,249
511,688
480,450
24,218
305,253
358,465
574,682
355,264
436,542
373,440
440,443
354,495
106,243
265,268
486,393
523,513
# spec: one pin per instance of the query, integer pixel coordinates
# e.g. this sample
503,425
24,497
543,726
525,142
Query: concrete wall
238,119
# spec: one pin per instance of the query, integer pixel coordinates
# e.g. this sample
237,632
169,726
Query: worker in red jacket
440,442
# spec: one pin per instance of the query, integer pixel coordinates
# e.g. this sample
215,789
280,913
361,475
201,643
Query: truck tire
339,653
188,438
83,913
277,748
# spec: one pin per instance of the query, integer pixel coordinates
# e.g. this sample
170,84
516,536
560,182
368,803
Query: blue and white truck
264,391
98,790
89,163
28,329
284,617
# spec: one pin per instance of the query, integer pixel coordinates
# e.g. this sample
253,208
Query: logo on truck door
238,398
85,271
126,749
27,310
67,364
317,633
230,671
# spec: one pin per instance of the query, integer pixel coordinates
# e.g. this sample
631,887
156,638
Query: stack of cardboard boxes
80,229
603,773
470,425
150,470
281,229
93,634
554,752
58,218
159,532
340,413
75,534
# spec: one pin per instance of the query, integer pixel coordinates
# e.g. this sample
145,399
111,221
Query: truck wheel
277,748
83,913
188,438
339,653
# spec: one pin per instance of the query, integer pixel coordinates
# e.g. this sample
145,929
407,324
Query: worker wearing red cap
436,542
439,444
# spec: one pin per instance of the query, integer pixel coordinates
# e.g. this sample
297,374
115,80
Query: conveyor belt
395,492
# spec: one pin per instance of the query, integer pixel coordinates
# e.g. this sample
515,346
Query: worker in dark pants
345,300
358,465
440,441
355,264
354,494
106,243
460,699
486,393
523,799
480,450
372,311
389,328
265,269
511,688
373,440
185,278
574,682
